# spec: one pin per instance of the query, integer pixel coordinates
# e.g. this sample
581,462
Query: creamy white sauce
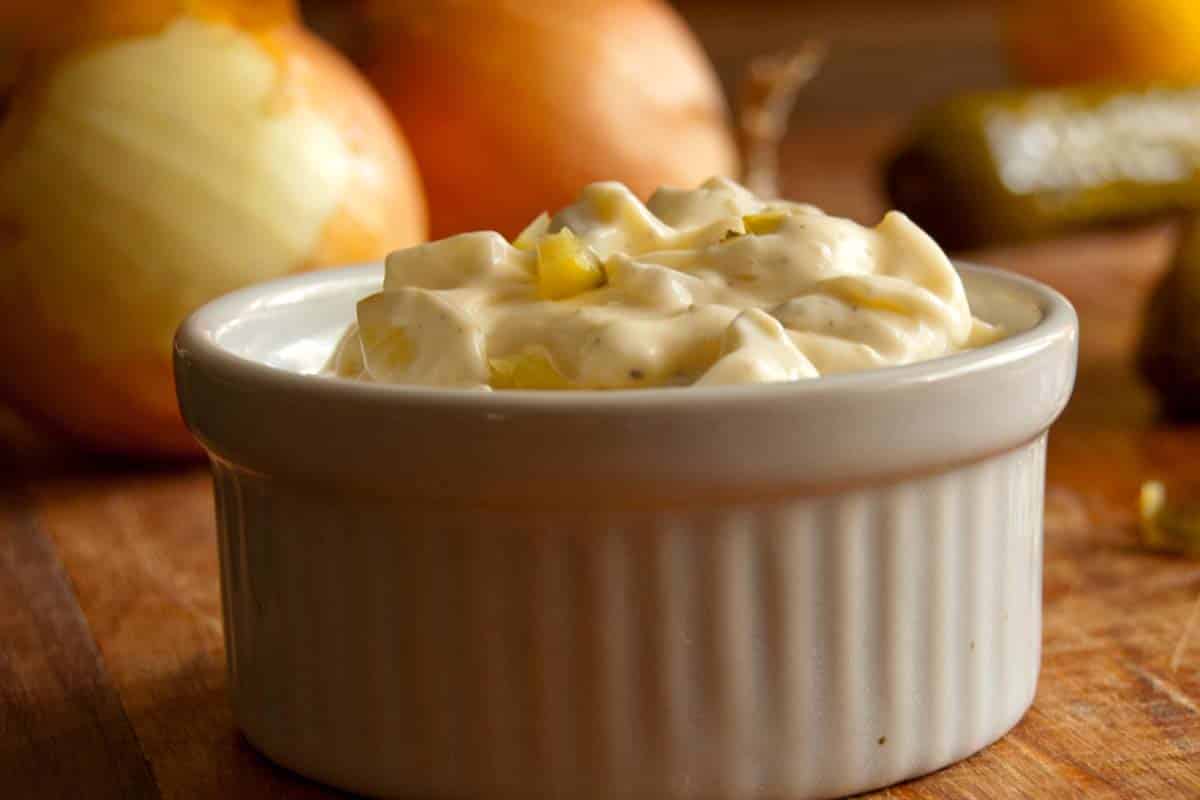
689,296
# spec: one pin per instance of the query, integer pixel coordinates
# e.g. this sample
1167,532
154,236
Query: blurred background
157,153
885,57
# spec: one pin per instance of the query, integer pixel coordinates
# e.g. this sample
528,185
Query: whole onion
511,106
167,160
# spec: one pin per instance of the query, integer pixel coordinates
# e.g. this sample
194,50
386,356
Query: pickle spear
1168,352
1016,165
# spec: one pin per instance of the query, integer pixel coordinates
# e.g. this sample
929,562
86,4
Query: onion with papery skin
1065,42
511,107
141,176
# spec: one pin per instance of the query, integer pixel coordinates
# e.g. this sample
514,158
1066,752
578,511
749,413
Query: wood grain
63,731
141,546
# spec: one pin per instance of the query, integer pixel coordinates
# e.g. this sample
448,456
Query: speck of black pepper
636,374
882,741
972,644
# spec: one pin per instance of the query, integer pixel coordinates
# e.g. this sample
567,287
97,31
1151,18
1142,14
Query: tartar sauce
699,287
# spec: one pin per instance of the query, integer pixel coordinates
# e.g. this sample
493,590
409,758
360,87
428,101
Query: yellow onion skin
1066,42
512,106
141,177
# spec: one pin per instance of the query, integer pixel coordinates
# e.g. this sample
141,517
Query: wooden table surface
112,677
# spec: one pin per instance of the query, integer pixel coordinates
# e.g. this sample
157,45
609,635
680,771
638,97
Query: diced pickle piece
531,369
566,267
764,222
528,238
1167,525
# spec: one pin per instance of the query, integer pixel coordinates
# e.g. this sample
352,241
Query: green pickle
1166,525
1168,353
1016,165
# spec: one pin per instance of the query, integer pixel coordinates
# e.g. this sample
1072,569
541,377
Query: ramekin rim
196,340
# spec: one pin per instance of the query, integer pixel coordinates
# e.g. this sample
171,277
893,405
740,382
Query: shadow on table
28,454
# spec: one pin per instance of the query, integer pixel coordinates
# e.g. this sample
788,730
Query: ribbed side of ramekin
799,648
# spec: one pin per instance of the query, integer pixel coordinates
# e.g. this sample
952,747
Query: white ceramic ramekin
793,590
